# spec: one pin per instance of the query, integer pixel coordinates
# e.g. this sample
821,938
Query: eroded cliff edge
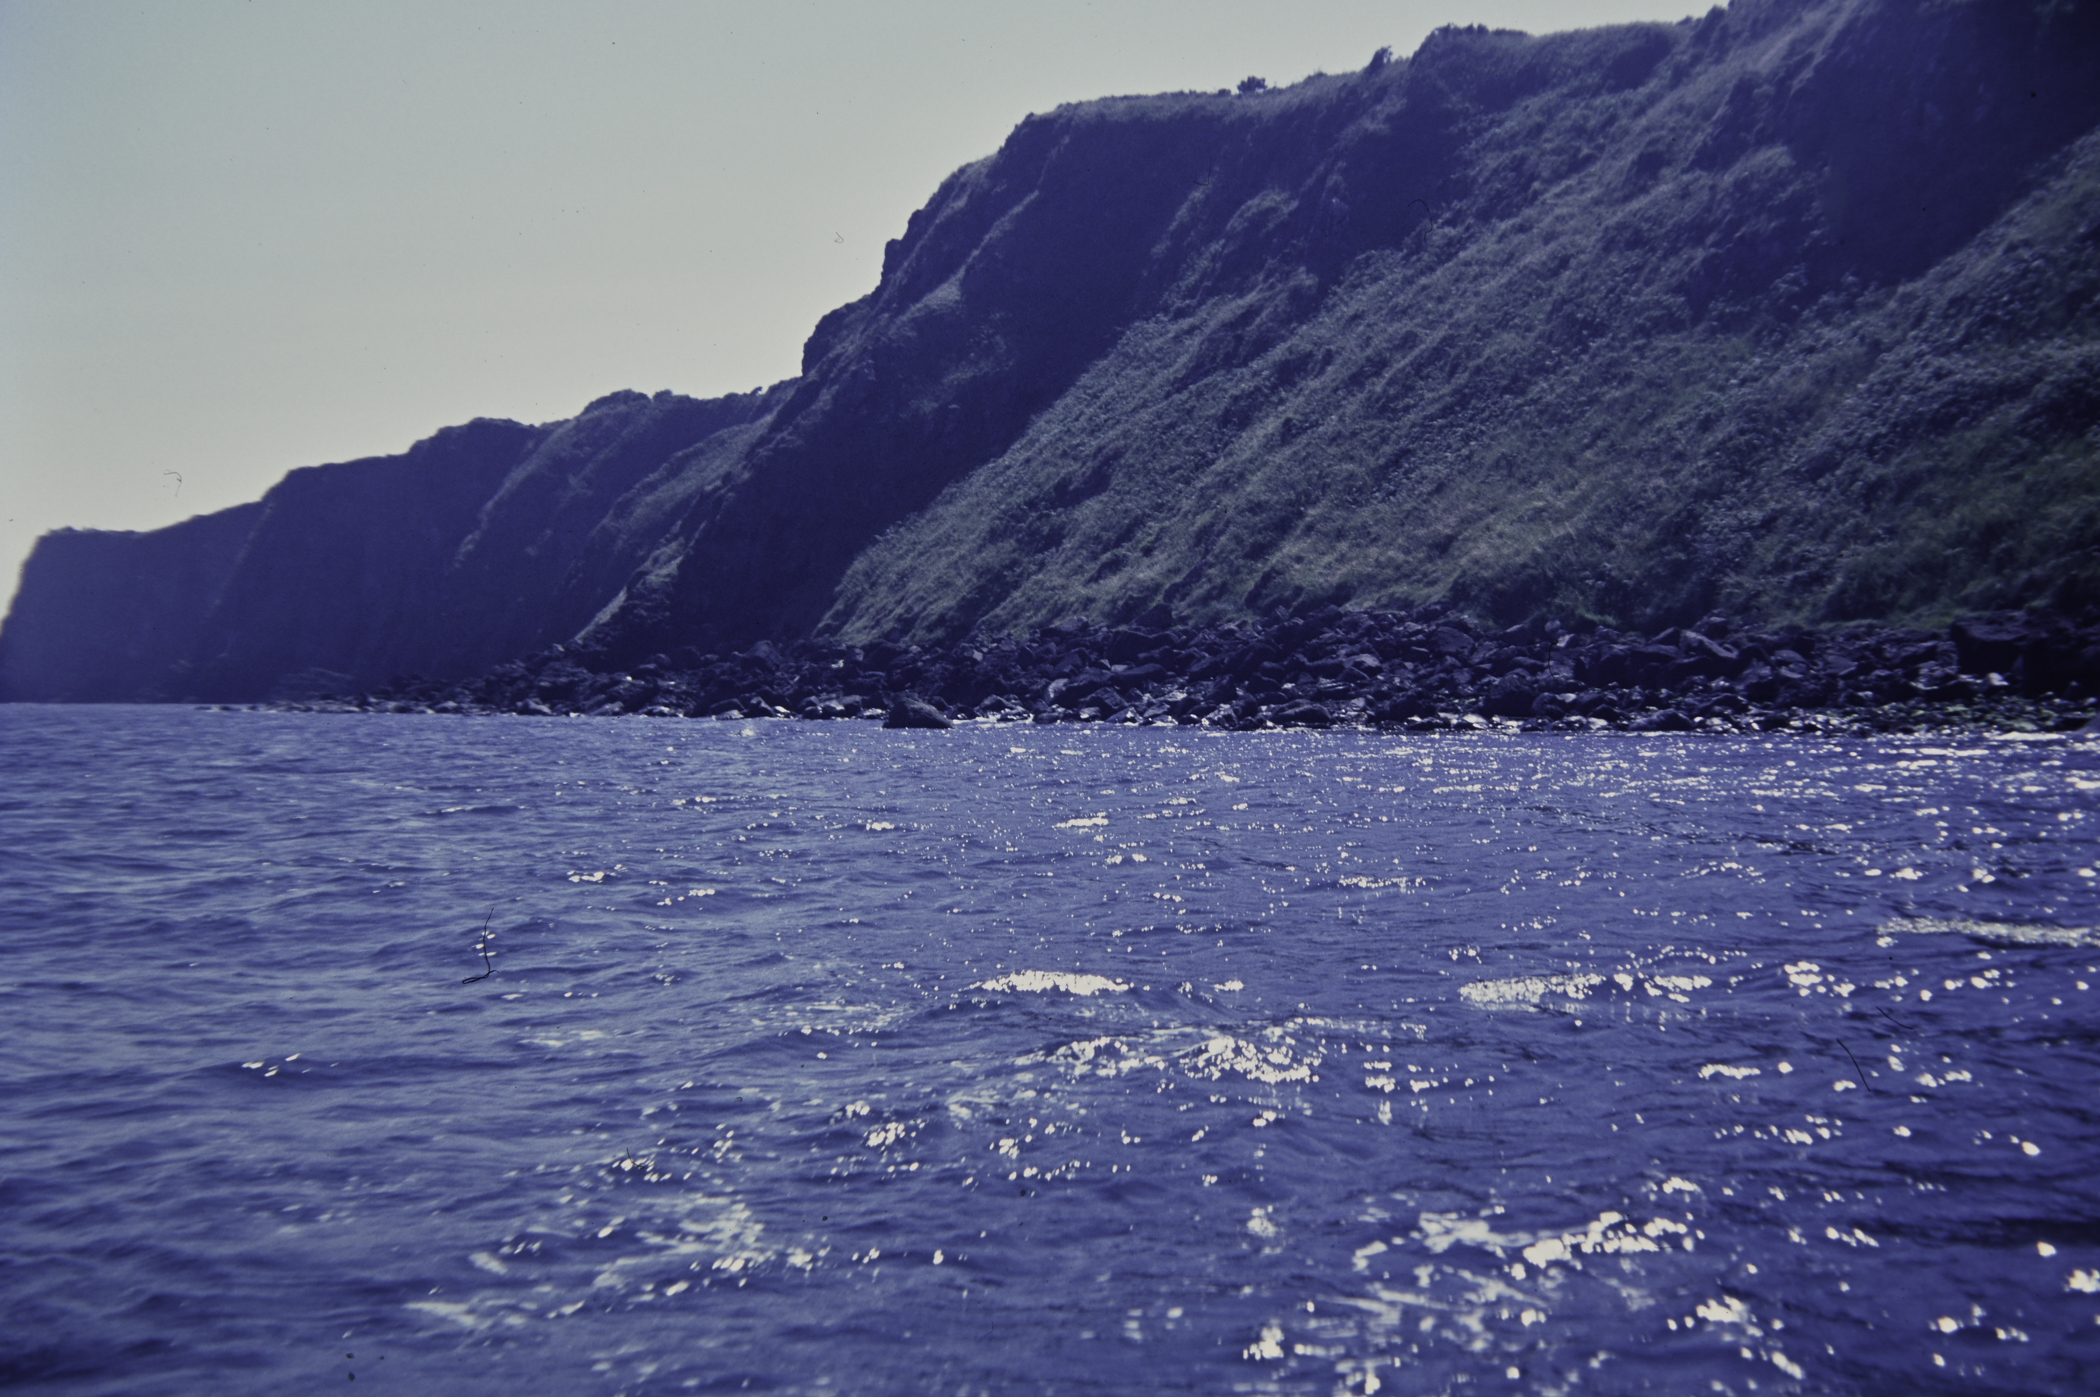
1788,311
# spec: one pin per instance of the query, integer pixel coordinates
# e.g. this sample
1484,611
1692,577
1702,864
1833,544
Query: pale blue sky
236,238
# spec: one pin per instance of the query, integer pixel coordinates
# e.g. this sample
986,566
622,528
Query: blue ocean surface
435,1055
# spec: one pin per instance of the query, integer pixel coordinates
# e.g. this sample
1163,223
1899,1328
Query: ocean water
420,1054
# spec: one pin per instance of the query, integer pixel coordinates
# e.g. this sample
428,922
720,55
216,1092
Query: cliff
482,542
1790,311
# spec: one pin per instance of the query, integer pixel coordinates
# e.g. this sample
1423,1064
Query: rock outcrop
486,541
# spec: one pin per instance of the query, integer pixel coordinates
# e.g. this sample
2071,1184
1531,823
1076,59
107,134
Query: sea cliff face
1791,311
485,541
108,615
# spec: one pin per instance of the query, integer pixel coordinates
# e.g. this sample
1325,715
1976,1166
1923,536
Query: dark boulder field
1427,671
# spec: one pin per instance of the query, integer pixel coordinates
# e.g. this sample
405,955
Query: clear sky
236,238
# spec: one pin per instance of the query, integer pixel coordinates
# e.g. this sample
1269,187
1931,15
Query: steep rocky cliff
106,615
484,541
1792,310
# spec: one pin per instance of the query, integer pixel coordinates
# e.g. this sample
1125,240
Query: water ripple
823,1059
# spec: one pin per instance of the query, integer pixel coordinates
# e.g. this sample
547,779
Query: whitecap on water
685,1236
1532,991
1040,981
1222,1053
1100,1057
1447,1305
691,1230
1611,1232
1441,1231
1281,1058
1526,991
2011,933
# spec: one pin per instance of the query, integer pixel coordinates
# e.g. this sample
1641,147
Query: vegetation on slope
1647,357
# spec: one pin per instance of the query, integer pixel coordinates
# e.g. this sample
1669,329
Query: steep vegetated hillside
1792,317
1791,312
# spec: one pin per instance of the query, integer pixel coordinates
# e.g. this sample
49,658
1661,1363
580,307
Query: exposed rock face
1792,311
104,615
577,517
338,572
483,542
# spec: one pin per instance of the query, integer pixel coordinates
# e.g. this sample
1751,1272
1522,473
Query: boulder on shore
914,713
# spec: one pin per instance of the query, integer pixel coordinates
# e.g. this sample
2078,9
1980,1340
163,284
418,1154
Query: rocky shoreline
1422,671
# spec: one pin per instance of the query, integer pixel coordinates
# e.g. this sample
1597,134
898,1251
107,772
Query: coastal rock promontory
1789,312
